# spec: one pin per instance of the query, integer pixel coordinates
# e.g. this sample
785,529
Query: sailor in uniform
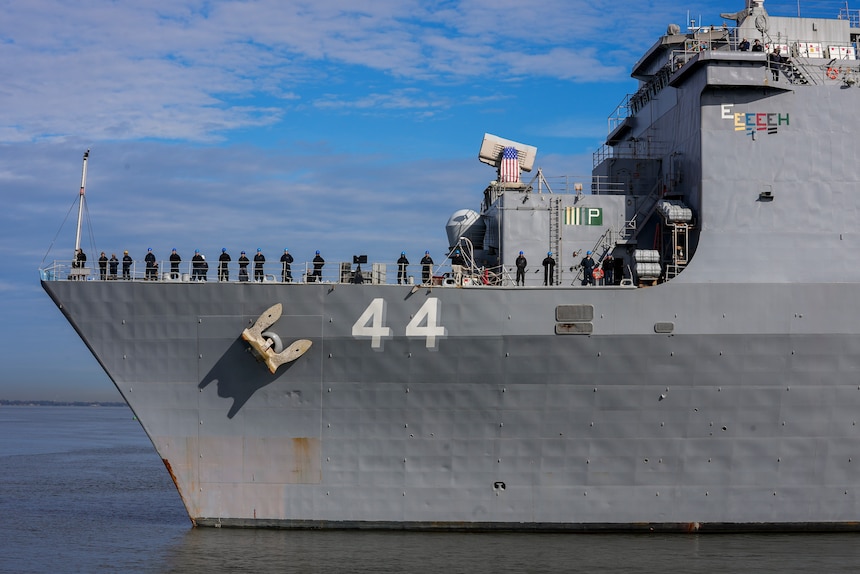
223,265
427,268
521,263
103,260
126,265
259,260
175,260
587,264
243,266
318,265
548,269
150,266
197,266
286,270
457,263
401,268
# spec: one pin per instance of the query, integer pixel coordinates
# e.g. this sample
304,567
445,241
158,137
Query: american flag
509,171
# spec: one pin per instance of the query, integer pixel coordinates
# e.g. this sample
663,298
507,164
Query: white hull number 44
425,324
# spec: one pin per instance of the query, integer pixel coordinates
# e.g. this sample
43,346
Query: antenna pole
81,201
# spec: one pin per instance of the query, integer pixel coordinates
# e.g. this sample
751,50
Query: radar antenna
495,151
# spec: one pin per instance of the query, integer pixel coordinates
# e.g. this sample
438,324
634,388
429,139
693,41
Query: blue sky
344,126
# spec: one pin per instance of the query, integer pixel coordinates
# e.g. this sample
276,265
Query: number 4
429,315
375,315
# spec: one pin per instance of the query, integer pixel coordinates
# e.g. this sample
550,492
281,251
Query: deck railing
302,273
852,15
269,272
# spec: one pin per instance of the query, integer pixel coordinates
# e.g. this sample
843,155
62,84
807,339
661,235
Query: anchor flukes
262,346
288,355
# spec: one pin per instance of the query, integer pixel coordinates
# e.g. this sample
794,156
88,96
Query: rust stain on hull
306,460
176,484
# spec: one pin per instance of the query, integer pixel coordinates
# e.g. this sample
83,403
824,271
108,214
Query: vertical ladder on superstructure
555,234
677,223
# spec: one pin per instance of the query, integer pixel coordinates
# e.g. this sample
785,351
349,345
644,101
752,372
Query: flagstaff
81,201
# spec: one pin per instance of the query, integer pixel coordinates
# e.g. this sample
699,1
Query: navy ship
688,359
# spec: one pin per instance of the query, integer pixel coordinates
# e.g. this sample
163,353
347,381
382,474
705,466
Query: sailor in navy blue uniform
521,263
197,266
113,263
401,268
126,265
548,269
286,270
457,263
427,268
243,266
259,260
587,269
103,261
175,260
318,265
223,265
150,265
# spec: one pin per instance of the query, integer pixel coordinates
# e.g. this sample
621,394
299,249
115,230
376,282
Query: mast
81,201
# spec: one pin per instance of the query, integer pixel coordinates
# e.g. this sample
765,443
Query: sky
348,126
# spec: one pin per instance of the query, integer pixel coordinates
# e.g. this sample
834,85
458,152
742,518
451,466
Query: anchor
262,341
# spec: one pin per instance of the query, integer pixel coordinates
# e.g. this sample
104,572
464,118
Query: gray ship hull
717,389
735,419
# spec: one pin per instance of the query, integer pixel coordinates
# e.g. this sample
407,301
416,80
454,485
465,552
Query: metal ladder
680,248
794,71
555,234
601,248
644,212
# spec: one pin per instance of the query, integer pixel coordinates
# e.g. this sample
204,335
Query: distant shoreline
8,403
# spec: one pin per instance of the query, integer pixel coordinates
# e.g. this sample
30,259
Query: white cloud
193,71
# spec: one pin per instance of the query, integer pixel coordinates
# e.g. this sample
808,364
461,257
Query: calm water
82,490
